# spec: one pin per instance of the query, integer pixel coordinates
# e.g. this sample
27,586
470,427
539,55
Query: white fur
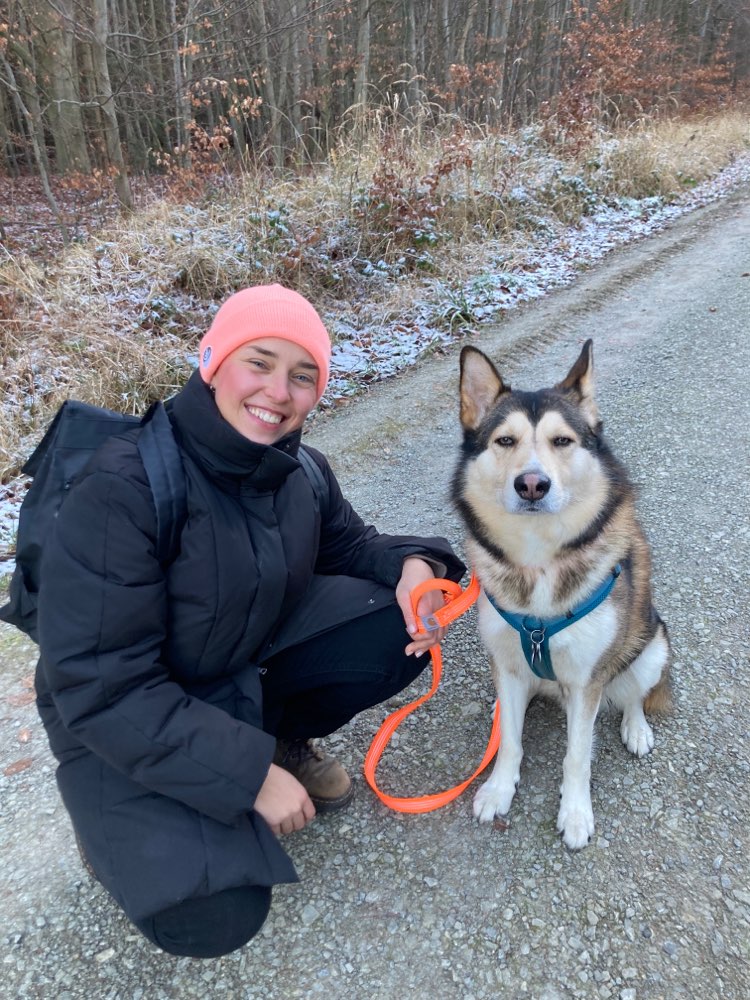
628,691
575,820
575,652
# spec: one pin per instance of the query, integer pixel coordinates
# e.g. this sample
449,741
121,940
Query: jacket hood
220,450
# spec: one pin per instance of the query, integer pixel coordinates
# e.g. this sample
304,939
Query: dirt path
436,906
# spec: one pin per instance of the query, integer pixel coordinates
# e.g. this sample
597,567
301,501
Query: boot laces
299,751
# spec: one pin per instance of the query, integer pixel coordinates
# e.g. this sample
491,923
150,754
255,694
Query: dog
565,608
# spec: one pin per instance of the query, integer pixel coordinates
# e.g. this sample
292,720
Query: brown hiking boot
322,777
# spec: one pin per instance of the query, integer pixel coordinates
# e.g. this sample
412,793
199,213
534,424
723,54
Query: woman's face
265,389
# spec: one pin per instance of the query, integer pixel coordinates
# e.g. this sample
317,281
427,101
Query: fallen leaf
20,765
19,700
24,735
500,824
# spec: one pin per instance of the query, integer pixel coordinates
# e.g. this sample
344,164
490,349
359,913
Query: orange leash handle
457,602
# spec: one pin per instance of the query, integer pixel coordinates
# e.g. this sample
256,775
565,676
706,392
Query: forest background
405,163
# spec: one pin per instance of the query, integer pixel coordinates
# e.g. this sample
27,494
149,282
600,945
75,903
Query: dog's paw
575,821
637,735
492,800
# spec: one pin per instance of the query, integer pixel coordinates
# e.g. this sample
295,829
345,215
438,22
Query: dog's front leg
495,795
575,821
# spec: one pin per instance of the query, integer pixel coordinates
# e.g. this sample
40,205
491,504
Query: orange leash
457,602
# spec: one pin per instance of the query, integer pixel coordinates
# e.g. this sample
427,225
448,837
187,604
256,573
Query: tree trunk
26,96
296,31
182,113
157,116
446,45
23,111
323,79
51,46
269,90
106,101
464,36
410,58
132,55
8,155
362,78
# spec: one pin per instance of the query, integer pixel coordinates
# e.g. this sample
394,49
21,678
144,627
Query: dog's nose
531,486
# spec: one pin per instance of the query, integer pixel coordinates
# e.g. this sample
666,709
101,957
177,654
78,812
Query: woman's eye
562,442
505,441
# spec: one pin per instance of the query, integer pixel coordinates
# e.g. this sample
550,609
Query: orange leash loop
457,602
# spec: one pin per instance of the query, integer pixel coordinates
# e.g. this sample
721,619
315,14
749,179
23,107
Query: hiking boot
322,777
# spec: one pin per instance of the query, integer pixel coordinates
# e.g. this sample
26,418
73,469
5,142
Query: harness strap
457,602
535,633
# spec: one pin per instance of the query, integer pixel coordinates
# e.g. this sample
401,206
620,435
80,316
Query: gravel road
435,906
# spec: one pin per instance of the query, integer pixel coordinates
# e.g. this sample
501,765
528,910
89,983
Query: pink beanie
265,311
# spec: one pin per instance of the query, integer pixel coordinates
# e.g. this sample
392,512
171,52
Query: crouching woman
181,701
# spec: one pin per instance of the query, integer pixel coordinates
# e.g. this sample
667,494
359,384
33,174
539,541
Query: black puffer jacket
148,679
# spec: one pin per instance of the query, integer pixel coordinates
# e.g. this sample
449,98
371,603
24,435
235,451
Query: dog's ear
481,386
580,382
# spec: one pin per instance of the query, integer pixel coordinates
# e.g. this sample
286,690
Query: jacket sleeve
353,548
102,621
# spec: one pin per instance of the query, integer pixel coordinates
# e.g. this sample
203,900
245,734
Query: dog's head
532,452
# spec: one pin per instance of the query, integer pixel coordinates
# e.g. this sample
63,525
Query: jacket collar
220,450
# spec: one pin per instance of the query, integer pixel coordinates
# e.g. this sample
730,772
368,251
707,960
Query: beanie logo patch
206,356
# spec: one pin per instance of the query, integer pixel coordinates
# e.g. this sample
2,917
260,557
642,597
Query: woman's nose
277,387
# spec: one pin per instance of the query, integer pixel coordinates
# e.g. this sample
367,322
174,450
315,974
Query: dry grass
116,320
664,158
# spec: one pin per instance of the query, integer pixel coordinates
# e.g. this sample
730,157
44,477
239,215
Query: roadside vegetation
413,168
398,214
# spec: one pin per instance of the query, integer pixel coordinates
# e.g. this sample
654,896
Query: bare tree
106,101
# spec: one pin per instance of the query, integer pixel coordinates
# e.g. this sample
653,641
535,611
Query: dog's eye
562,442
506,441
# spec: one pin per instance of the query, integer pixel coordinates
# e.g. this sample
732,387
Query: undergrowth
390,217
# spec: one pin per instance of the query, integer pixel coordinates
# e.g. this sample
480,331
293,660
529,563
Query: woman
180,701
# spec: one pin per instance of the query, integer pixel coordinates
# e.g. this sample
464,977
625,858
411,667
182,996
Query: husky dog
565,572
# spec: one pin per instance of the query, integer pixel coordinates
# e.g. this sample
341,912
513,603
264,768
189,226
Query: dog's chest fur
539,580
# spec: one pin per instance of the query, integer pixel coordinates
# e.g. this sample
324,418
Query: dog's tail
659,700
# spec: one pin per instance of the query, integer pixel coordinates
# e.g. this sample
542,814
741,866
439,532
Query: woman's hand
416,570
283,802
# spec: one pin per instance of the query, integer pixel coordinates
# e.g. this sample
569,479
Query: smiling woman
266,389
181,698
266,358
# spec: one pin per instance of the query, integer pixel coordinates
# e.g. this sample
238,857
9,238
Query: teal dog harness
536,632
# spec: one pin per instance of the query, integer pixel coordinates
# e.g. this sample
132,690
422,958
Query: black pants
309,690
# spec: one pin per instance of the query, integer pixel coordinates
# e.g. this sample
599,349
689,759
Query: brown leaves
26,696
19,700
18,766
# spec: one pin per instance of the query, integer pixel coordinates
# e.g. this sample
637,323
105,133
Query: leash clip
430,623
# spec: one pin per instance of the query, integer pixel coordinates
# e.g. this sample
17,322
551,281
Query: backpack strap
317,480
163,464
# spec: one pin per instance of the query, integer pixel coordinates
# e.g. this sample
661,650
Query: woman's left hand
416,570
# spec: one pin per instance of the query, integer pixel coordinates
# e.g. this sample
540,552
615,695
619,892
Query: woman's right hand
283,802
